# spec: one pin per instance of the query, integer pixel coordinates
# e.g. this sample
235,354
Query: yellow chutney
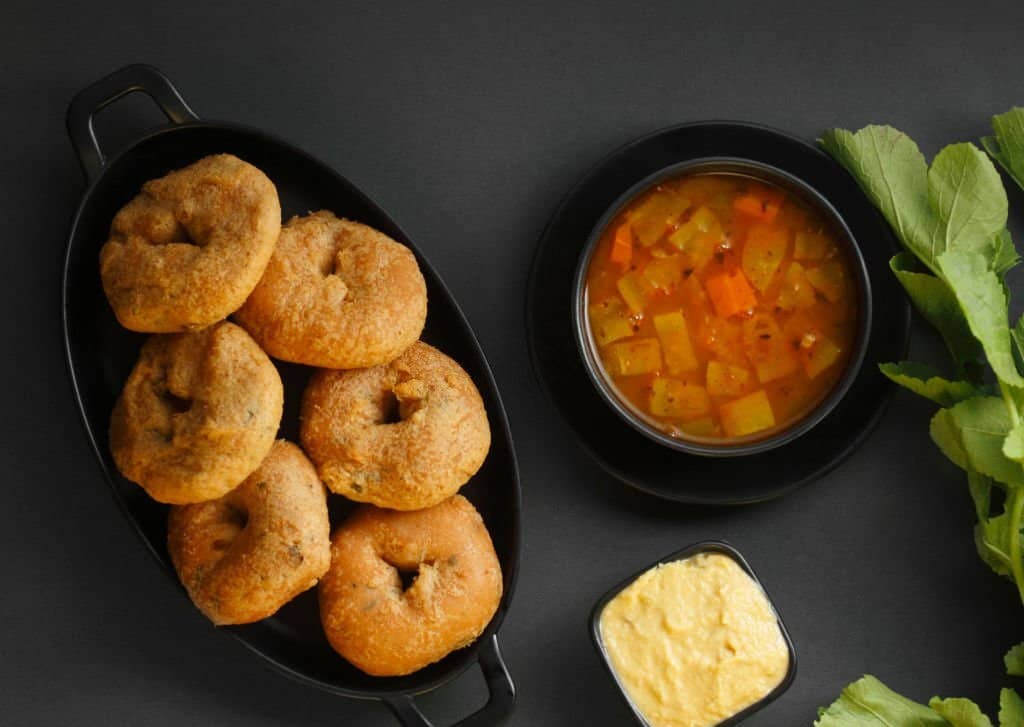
694,641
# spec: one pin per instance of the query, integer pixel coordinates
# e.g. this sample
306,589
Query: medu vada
336,294
244,555
387,628
405,435
198,414
189,249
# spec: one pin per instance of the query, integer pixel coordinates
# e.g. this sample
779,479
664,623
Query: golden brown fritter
243,556
198,414
188,250
387,630
405,435
336,294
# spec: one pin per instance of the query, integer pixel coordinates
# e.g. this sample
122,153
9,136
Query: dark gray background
468,123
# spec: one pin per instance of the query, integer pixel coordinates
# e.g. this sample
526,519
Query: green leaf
945,432
983,302
968,196
894,175
1007,146
1011,709
960,712
1014,661
1017,337
980,488
1013,445
983,424
869,703
1004,255
990,538
957,204
926,381
936,302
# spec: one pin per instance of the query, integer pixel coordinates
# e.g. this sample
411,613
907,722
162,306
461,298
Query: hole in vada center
175,404
407,577
391,408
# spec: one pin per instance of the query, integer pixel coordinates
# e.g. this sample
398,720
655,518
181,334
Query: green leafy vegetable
980,294
1014,661
960,712
957,204
1011,709
893,173
968,199
935,301
869,703
926,381
951,219
984,424
1007,146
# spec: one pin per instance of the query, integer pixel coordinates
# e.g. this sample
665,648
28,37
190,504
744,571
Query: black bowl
738,446
707,546
620,449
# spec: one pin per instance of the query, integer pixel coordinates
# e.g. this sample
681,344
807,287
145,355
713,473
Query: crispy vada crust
404,436
198,414
336,294
189,249
243,556
386,630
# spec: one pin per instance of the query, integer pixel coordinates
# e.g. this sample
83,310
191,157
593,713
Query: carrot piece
622,245
730,293
762,208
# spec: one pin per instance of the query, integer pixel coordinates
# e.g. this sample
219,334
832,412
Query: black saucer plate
628,455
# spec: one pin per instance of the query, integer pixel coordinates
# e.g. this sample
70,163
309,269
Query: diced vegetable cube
747,415
809,246
633,289
664,274
622,245
610,321
723,338
763,252
654,217
698,237
818,354
726,379
675,342
629,358
693,293
678,400
730,293
796,290
829,279
767,349
702,427
759,207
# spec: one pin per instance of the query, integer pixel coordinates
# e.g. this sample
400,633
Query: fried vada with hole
187,251
405,435
198,414
244,555
387,628
336,294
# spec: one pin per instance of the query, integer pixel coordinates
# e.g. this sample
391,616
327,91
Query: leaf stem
1011,405
1016,508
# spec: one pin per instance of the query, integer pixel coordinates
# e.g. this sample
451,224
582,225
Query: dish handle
107,90
500,701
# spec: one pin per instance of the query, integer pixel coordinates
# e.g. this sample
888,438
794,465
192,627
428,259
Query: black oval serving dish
100,354
619,448
740,446
706,546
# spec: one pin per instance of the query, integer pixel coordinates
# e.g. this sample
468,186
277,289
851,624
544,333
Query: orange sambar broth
721,306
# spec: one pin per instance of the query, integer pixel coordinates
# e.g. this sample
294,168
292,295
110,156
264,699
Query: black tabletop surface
468,123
